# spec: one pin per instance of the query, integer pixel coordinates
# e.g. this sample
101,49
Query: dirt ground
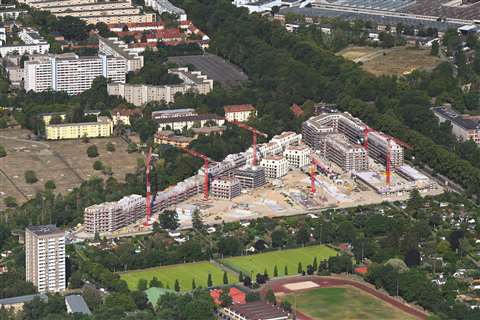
395,61
65,162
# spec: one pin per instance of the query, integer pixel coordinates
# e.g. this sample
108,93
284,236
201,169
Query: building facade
45,258
122,115
250,177
240,112
464,127
119,49
275,166
348,156
102,128
173,113
70,73
297,156
141,94
226,188
198,121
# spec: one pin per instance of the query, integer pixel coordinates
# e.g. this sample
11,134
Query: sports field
344,303
259,262
185,273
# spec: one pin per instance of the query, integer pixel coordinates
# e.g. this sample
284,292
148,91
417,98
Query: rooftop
22,299
45,229
77,304
200,117
465,121
259,310
239,108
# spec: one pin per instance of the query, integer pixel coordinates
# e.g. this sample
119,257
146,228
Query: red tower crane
148,194
388,164
206,161
366,131
254,132
313,171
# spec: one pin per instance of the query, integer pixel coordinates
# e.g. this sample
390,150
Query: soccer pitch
344,303
257,263
185,273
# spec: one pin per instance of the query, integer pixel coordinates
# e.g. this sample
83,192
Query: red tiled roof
239,108
297,111
361,269
238,296
169,34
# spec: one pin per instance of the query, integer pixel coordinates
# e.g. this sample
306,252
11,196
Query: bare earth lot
64,162
395,61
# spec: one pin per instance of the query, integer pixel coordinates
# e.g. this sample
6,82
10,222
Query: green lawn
259,262
185,273
344,303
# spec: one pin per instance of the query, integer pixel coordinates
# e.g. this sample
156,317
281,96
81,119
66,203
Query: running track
325,282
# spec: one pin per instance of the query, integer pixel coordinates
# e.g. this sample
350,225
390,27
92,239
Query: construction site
337,161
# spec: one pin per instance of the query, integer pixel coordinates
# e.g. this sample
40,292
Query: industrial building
226,187
69,72
45,258
316,130
141,94
111,216
102,128
465,127
275,166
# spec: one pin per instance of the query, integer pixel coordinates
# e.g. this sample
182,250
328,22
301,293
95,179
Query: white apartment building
45,258
173,113
162,6
3,35
287,138
240,112
102,128
33,43
141,94
297,156
275,166
71,73
117,48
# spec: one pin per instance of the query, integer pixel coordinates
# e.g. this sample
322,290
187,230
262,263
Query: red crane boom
206,161
148,203
254,132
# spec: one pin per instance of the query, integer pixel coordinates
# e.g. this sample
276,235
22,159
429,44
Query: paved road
325,282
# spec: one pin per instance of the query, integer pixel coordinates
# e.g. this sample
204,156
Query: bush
132,147
98,165
92,152
10,202
30,176
50,185
110,147
3,152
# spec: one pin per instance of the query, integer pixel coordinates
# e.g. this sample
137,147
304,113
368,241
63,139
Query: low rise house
122,115
102,128
198,121
15,304
240,112
465,127
76,305
257,310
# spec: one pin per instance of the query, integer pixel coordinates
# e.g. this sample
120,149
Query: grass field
64,162
394,61
185,273
259,262
344,303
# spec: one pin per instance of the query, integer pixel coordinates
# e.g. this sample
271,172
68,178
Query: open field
185,273
395,61
64,162
259,262
344,303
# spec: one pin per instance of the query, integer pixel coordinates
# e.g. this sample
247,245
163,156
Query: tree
92,151
270,296
142,284
247,281
279,236
252,296
155,283
98,165
225,298
10,202
209,280
3,152
197,221
315,264
50,185
300,268
194,285
302,235
275,271
177,286
240,277
30,176
132,147
435,50
225,277
285,271
169,220
412,258
110,147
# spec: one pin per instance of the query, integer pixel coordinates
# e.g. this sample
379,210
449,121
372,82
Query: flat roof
22,299
45,229
77,304
459,119
208,116
259,310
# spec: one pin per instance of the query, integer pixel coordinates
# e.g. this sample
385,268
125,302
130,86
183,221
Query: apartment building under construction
317,132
